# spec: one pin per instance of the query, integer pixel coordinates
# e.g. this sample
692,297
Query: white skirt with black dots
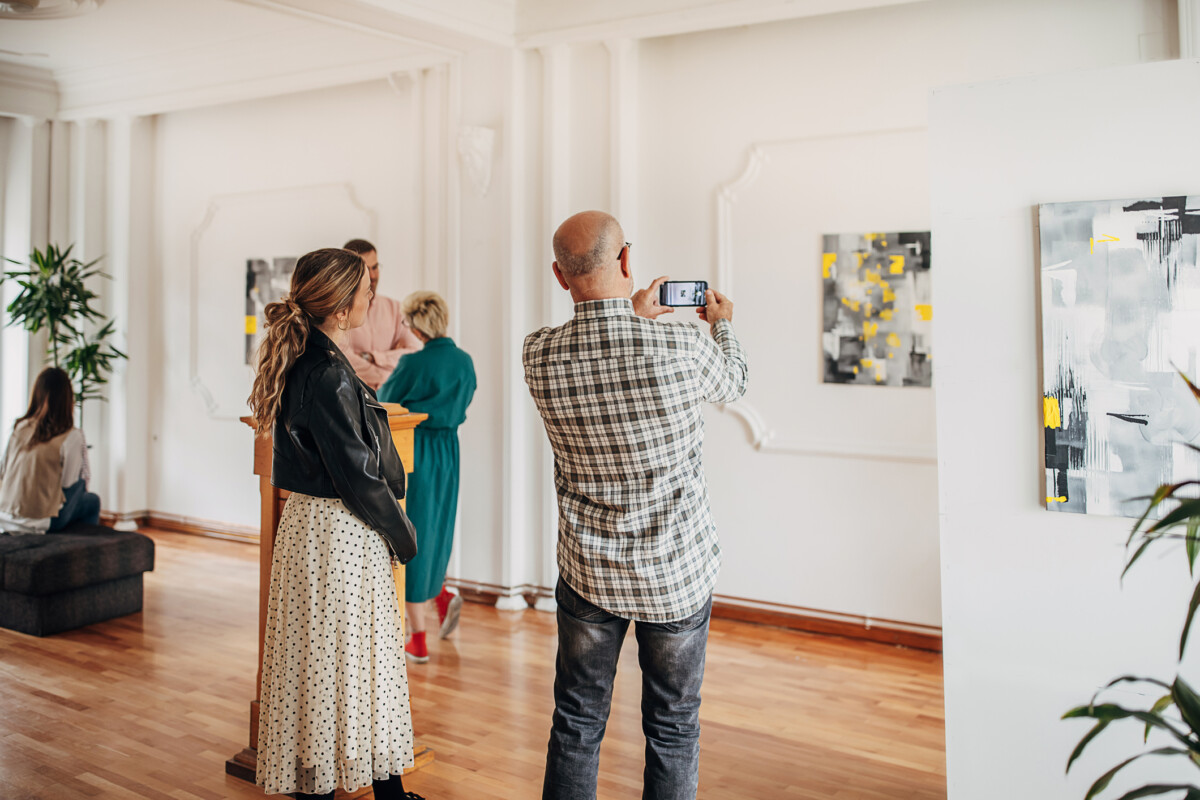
334,705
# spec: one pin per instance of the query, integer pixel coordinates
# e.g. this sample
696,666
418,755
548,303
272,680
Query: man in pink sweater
375,348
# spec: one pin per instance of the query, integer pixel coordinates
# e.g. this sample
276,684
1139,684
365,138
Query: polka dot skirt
334,707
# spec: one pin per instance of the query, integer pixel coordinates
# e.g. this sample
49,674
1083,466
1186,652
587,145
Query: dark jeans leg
80,506
589,642
671,655
303,796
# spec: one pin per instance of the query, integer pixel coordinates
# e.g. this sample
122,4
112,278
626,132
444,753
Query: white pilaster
87,228
26,194
557,306
623,115
130,227
1189,28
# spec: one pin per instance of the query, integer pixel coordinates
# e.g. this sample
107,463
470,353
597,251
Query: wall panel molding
762,435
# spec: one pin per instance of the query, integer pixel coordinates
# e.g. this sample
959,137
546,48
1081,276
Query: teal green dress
438,380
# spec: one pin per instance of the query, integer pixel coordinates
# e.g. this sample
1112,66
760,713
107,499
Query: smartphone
683,293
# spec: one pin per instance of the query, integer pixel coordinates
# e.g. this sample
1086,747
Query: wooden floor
151,705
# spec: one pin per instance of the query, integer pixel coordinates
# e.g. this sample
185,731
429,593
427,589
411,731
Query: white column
557,306
26,194
623,115
517,525
87,227
1189,28
130,159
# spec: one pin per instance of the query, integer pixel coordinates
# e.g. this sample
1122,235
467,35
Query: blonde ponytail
323,284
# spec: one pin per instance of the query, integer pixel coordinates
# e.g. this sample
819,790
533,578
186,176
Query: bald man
622,395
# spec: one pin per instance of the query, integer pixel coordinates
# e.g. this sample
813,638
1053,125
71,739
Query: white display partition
1035,616
790,194
266,225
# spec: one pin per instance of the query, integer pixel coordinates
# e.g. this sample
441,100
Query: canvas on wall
1120,296
266,282
878,311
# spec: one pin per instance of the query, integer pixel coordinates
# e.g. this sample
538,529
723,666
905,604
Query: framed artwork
266,282
877,309
1120,308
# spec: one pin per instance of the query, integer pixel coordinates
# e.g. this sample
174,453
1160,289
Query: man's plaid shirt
622,397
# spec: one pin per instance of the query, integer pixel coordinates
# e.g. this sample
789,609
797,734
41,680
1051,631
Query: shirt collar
608,307
441,341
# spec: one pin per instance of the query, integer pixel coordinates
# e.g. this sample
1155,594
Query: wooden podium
402,423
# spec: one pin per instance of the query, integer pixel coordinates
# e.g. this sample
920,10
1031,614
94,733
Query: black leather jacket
332,439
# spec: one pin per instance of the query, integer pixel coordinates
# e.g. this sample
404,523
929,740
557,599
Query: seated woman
44,475
438,380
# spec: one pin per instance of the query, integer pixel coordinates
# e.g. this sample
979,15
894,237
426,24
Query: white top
74,453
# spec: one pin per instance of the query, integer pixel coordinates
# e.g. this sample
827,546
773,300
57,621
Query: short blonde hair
427,313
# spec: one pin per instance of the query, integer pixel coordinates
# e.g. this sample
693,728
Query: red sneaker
415,649
449,606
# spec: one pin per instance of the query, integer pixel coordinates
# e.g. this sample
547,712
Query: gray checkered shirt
621,398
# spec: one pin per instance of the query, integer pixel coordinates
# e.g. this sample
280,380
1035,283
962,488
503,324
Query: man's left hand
645,301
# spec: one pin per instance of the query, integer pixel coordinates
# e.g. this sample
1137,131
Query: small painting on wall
878,311
1120,297
266,282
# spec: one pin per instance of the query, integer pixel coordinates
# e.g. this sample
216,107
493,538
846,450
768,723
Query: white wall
843,534
1035,616
358,136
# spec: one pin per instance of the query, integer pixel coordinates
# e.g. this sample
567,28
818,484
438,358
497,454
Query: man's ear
558,274
625,271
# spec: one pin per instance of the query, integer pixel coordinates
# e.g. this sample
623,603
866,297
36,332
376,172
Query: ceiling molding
674,21
150,94
409,22
27,91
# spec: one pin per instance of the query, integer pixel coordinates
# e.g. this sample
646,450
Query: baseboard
201,527
180,524
853,626
490,593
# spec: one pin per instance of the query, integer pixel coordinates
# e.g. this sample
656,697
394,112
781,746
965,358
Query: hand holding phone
683,294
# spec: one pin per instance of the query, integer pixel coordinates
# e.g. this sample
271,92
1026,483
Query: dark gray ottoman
81,575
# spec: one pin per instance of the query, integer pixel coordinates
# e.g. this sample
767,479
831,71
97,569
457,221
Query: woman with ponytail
334,707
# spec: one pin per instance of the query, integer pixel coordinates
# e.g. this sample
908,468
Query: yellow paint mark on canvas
854,305
827,261
869,330
1051,412
897,265
924,310
888,295
886,314
893,340
861,257
871,276
879,377
891,355
251,325
866,362
855,370
1056,499
867,308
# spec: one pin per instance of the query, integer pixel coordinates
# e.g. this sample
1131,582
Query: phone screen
683,293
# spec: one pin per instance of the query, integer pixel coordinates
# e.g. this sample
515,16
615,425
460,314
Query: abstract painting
878,315
1120,295
266,282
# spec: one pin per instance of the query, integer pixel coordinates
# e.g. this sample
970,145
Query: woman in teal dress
438,380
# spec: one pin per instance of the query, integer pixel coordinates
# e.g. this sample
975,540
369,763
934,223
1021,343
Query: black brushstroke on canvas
1174,222
1136,419
1066,447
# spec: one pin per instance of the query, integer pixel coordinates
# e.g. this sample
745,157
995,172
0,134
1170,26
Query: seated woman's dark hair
51,405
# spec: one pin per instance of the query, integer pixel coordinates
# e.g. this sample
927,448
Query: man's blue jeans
671,655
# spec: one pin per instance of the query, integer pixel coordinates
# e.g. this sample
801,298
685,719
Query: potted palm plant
1172,513
54,295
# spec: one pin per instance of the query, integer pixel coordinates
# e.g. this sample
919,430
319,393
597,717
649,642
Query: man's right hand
719,307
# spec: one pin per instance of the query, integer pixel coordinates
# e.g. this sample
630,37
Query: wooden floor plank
149,706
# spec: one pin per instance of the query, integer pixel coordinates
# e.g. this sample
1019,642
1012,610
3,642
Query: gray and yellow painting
1120,293
878,314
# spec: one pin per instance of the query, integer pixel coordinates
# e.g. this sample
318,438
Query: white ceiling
151,56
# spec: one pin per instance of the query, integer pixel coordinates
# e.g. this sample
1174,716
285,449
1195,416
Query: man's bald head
586,242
